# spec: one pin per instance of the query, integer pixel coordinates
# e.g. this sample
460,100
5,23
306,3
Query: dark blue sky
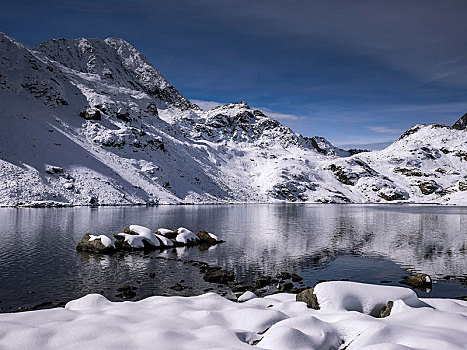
351,71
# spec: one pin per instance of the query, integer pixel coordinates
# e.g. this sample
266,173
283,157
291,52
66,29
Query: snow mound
134,241
302,332
106,241
88,302
246,296
164,231
185,236
164,240
366,298
145,234
209,321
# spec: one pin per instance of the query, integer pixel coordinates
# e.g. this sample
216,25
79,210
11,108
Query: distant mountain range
92,122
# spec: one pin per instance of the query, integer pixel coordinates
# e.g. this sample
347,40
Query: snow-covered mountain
90,121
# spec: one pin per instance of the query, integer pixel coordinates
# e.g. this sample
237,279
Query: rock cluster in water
136,237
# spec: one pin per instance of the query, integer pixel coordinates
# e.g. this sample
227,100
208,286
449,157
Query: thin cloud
385,130
207,105
280,116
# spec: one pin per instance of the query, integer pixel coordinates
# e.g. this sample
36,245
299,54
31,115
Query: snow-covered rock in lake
92,122
185,236
276,321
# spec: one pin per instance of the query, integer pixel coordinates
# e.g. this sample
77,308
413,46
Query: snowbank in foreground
272,322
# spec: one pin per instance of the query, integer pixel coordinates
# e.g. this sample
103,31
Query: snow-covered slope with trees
91,122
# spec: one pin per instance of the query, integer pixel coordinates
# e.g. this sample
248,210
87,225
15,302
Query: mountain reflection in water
367,243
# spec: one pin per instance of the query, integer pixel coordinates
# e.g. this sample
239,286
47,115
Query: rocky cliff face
90,121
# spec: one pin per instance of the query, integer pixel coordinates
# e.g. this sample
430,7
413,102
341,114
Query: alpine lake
378,244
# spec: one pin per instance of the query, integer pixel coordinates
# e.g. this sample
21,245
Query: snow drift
272,322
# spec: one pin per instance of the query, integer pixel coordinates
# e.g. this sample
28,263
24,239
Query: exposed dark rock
204,237
461,124
90,114
169,235
126,292
284,275
411,131
124,115
428,187
52,169
93,200
461,154
341,175
95,245
296,278
408,171
219,276
309,297
152,109
386,310
242,288
395,196
262,282
43,305
420,281
152,275
286,287
463,185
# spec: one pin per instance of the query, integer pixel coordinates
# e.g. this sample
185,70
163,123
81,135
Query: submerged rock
126,292
296,278
286,287
284,275
219,276
309,297
262,282
420,281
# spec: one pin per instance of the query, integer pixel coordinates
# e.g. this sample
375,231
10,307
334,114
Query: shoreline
68,205
230,289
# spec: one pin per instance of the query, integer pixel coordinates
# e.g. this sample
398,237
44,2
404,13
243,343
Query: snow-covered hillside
90,121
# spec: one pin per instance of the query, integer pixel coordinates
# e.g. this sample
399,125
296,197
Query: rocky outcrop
90,114
308,296
386,310
95,244
408,171
135,237
428,187
461,124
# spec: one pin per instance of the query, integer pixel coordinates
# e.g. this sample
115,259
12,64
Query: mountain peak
461,124
115,62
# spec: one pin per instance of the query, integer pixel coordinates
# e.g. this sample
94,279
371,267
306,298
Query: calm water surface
366,243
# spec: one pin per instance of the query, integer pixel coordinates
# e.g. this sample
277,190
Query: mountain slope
90,121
